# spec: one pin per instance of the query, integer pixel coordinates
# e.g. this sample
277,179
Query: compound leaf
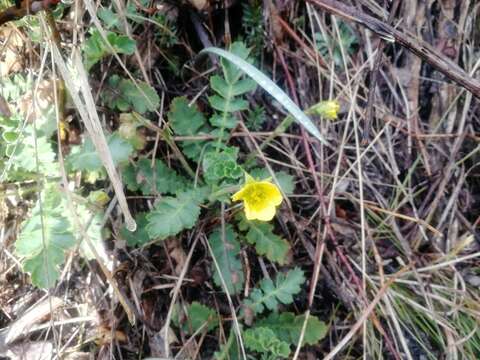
271,294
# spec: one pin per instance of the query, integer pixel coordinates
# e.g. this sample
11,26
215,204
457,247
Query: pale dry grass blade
89,115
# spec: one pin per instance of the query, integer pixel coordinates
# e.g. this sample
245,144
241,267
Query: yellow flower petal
265,214
260,199
273,193
238,195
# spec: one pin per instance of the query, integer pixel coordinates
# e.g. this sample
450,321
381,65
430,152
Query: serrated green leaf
231,72
109,18
157,180
138,237
285,181
185,120
27,152
124,95
95,48
228,104
271,294
221,165
264,341
266,242
172,215
226,250
198,316
224,121
43,240
85,157
227,90
288,327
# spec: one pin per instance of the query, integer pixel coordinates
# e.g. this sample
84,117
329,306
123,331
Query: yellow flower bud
327,109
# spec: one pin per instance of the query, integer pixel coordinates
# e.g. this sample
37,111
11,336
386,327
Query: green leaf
256,118
27,152
271,294
93,222
95,47
230,70
264,341
109,18
125,95
266,242
85,157
221,165
173,214
285,180
230,350
226,90
226,250
187,121
151,181
224,121
10,136
198,316
138,237
43,240
227,105
288,327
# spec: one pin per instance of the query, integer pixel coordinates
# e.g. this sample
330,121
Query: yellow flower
260,198
328,109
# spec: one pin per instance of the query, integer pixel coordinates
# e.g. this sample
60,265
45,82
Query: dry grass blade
89,115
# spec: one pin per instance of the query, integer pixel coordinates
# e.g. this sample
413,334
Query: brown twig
415,45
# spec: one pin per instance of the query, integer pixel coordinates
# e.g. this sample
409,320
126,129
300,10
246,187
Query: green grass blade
272,88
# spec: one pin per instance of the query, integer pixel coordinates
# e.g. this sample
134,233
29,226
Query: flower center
257,195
